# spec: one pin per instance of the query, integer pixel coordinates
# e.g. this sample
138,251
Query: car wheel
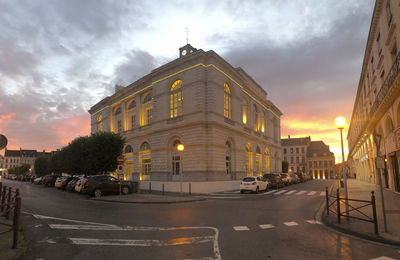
242,191
125,190
97,193
257,190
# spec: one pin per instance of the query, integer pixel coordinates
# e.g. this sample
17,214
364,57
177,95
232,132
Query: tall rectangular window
119,126
146,166
133,121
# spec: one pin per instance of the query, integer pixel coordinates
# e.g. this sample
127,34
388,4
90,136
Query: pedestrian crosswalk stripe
301,192
279,192
313,221
241,228
311,193
266,226
271,191
292,223
290,192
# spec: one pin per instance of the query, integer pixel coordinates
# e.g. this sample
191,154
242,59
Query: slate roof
295,141
319,148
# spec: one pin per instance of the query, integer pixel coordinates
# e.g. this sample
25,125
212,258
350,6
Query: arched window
263,122
244,111
99,119
227,101
117,111
267,163
147,108
258,161
176,99
132,105
145,146
128,149
249,160
255,122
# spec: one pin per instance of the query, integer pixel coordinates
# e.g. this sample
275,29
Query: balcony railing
387,84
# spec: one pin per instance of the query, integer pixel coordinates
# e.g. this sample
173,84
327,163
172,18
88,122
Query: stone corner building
377,104
219,113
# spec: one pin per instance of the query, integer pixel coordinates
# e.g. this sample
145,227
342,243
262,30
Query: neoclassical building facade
223,118
377,105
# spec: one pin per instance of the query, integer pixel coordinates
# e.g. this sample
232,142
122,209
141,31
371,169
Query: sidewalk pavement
145,197
362,191
6,242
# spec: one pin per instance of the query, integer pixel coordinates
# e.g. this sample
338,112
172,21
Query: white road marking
84,227
216,250
232,192
311,193
266,226
383,258
240,228
211,197
290,192
148,242
313,221
292,223
280,192
301,192
322,193
37,225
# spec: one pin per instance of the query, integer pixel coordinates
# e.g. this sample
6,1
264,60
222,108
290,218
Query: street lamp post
180,148
340,123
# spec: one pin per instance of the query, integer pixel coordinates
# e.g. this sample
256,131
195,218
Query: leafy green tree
77,155
42,165
285,166
105,147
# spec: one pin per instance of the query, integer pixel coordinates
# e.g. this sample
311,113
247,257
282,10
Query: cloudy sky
58,58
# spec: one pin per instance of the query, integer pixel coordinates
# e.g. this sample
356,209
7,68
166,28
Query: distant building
321,161
295,153
312,157
14,158
377,104
219,113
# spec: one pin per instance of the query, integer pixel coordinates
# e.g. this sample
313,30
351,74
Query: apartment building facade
223,118
377,105
295,153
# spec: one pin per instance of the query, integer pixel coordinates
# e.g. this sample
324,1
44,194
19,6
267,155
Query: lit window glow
227,101
176,99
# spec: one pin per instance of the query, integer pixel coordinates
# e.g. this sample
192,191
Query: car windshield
249,179
269,176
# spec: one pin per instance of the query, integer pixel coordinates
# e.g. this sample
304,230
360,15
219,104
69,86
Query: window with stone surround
176,99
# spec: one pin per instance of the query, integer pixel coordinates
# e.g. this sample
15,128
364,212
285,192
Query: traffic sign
120,168
3,142
120,159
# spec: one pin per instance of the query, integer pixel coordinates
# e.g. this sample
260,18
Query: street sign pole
379,163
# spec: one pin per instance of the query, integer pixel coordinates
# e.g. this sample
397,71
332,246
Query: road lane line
84,227
290,192
211,197
147,242
291,223
266,226
241,228
280,192
311,193
271,191
70,220
301,192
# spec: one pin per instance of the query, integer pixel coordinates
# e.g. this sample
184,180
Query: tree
285,166
105,147
42,165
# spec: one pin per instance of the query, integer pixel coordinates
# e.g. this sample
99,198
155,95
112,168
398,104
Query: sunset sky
58,58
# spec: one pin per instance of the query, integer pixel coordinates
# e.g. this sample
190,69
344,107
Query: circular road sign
3,142
120,159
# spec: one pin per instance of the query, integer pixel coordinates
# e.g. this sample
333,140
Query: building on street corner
377,104
223,118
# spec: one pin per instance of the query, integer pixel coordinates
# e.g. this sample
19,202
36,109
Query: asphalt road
272,225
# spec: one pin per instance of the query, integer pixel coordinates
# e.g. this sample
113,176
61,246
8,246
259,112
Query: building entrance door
396,177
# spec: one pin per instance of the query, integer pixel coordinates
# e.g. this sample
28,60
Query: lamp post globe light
180,148
340,124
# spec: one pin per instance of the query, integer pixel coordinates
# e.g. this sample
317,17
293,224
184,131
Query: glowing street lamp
180,148
340,124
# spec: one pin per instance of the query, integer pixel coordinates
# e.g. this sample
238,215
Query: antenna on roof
187,35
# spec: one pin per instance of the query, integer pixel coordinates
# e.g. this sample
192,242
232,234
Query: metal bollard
3,198
338,205
374,212
190,189
163,189
149,187
17,211
8,203
327,201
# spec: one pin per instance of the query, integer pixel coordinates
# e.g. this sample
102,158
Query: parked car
253,183
103,184
78,184
274,180
285,178
61,182
294,178
49,180
38,180
71,184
